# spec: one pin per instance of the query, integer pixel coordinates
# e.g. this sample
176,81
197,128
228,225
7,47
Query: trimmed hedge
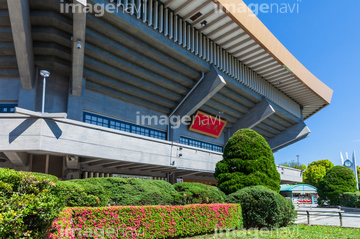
338,180
350,199
78,194
28,203
194,193
147,221
121,191
263,207
247,161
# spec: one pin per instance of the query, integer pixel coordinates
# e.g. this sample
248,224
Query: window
200,144
7,108
123,126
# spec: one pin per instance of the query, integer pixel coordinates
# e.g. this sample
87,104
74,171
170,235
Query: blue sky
325,37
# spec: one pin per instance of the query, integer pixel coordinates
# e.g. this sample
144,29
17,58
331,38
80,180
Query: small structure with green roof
300,193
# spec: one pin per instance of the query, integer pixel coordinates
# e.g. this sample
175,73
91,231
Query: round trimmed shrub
28,204
197,193
263,207
337,180
247,161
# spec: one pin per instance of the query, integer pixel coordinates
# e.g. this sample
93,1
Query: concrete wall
289,175
69,137
9,90
109,106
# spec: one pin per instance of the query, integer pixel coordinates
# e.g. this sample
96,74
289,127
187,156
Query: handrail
341,214
326,211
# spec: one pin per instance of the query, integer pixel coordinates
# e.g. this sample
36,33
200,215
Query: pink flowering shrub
146,221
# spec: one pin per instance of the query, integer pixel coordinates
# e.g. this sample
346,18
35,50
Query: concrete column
75,105
27,97
172,178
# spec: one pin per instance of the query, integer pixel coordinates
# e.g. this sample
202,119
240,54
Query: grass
292,231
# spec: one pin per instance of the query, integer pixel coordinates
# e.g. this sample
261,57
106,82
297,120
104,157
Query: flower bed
146,221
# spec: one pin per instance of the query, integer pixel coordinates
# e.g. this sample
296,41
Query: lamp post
44,74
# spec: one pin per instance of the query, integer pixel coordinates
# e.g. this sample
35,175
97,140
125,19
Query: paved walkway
330,219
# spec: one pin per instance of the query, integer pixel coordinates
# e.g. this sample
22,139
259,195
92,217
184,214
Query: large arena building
123,73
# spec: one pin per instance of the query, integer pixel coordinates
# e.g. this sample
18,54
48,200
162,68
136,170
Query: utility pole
298,161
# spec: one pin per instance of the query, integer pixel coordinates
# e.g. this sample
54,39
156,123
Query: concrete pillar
75,105
172,178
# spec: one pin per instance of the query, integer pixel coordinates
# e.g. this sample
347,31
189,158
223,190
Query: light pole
44,74
298,156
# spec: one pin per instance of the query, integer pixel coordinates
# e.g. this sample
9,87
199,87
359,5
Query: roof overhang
237,30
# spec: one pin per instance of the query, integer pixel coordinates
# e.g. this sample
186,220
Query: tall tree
247,161
337,180
316,171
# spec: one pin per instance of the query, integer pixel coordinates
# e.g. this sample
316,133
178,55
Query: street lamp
44,74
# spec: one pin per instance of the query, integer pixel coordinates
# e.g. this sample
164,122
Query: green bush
197,193
263,207
337,181
28,204
147,221
247,161
128,191
350,199
75,195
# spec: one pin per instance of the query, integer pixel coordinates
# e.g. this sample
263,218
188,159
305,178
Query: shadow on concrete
21,128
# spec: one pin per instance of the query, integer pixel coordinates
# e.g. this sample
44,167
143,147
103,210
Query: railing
325,213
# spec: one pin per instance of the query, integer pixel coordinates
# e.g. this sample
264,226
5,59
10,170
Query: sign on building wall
132,176
207,125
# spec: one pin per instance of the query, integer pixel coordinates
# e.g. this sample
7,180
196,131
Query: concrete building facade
122,73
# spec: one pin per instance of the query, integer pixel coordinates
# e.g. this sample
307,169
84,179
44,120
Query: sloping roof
298,188
245,37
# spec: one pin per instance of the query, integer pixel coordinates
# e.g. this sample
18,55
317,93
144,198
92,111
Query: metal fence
338,214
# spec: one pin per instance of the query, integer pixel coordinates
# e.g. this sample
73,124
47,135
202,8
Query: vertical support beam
47,161
75,107
28,97
78,48
31,162
289,136
256,115
19,12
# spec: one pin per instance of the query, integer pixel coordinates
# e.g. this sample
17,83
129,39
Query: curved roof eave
248,21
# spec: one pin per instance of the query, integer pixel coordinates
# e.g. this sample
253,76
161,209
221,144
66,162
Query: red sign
207,124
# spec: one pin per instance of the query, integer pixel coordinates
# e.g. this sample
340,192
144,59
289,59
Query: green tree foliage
316,171
194,193
28,204
338,179
263,207
247,161
293,164
348,199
